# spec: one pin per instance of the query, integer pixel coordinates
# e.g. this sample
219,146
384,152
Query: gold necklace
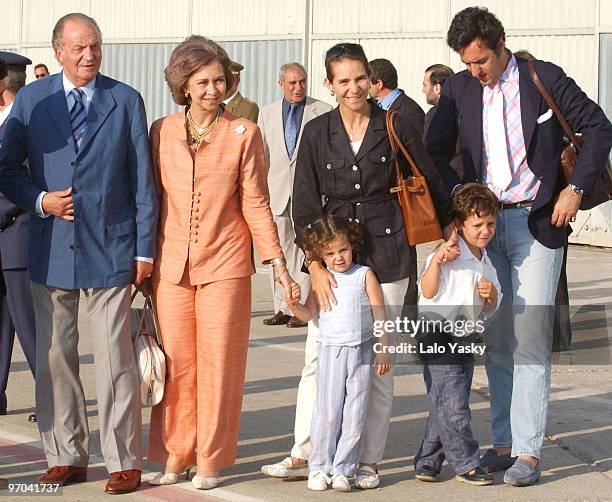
359,131
199,133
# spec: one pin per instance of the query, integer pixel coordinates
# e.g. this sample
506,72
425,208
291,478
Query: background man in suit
512,142
17,308
383,88
41,71
281,125
91,190
433,80
236,103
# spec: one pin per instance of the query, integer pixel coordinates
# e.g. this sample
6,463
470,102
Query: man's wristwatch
576,190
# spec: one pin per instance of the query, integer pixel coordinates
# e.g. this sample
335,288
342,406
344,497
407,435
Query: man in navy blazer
511,142
90,188
17,308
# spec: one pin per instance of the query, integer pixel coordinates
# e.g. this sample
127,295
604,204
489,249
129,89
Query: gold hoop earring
332,93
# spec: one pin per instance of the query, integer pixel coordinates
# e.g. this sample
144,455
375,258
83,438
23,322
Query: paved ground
577,455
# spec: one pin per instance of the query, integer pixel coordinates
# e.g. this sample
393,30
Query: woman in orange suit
214,198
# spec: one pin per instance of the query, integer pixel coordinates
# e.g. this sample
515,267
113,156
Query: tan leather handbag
150,357
420,217
569,154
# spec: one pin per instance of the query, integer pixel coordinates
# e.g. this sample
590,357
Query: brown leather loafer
294,322
123,482
63,475
277,319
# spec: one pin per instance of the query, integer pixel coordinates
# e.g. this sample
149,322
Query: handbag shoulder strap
396,144
553,106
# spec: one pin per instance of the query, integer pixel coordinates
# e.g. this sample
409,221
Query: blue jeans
519,338
448,432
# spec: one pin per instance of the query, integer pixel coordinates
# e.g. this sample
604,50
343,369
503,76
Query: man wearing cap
236,103
17,308
3,71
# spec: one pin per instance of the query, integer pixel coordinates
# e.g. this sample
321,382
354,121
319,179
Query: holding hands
291,288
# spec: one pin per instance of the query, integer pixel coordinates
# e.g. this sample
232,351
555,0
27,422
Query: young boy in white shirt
458,284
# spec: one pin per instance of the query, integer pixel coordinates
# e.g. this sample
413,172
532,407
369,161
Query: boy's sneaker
522,474
492,462
367,478
286,469
426,473
478,477
318,481
341,483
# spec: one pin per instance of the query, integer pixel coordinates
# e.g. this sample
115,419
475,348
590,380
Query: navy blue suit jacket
13,229
459,113
115,204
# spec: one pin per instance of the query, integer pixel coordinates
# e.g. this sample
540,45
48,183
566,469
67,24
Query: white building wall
411,33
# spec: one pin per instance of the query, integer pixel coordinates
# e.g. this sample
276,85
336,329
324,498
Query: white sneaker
367,478
341,483
285,469
318,481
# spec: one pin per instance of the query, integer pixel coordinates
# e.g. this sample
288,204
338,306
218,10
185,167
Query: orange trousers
205,333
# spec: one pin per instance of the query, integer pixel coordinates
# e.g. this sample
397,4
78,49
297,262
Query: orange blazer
212,201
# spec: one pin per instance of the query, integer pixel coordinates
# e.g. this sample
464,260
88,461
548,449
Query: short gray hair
290,66
56,39
15,80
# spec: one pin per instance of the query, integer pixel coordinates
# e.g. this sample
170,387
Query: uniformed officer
17,308
237,104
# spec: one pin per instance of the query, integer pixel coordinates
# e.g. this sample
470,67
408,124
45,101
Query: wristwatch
308,261
576,190
278,261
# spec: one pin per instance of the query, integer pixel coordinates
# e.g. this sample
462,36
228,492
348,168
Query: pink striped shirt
524,185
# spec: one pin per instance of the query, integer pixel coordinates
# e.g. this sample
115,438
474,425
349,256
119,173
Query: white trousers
381,393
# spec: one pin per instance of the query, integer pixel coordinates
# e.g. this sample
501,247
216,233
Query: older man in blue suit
511,142
90,187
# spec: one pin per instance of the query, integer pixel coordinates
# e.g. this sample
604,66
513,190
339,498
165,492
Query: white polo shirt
457,296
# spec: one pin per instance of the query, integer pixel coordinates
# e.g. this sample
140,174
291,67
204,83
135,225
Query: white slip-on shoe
285,469
170,478
202,483
367,478
341,483
318,481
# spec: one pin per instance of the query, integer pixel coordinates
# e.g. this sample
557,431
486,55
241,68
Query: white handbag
148,347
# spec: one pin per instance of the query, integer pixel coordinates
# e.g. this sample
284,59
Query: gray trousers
60,401
343,378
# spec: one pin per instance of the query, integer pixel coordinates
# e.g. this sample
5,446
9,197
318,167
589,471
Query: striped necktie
78,116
